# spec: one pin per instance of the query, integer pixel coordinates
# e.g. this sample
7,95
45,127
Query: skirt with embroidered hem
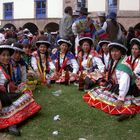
21,109
106,101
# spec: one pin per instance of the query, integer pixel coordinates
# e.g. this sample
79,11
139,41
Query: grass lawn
78,120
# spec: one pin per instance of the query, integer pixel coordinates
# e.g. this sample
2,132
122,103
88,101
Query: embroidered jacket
68,59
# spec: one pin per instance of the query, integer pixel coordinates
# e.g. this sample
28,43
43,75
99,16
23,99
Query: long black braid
110,72
59,59
40,61
134,60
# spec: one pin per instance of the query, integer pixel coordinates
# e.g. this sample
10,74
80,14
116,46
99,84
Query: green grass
78,120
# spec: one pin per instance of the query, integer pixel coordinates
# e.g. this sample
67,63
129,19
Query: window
40,8
8,11
80,3
112,5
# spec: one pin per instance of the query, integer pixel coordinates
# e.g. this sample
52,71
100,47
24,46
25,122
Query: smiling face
64,47
27,49
86,47
5,57
135,50
43,48
17,55
115,53
105,48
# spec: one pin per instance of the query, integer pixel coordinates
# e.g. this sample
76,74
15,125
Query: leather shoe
123,117
13,130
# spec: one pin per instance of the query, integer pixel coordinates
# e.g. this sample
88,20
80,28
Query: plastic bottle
81,81
67,77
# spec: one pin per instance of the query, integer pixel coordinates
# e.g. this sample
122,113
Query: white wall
131,5
96,5
23,9
55,9
26,9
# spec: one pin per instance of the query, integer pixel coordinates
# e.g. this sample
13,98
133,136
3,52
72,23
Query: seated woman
117,96
18,64
41,62
135,59
105,55
64,60
27,56
90,63
16,107
31,75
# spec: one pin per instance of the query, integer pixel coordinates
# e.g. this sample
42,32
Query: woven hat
118,45
81,40
135,41
18,47
102,42
8,47
46,43
60,41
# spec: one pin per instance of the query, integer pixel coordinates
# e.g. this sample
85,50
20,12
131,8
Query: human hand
12,87
119,104
2,88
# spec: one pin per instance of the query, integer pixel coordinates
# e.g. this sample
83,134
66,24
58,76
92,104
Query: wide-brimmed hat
1,30
84,11
46,43
118,45
26,30
135,41
8,47
102,42
18,47
83,39
60,41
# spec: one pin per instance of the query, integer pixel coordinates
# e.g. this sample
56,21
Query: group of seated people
111,78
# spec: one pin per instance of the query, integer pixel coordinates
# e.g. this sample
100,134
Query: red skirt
105,101
18,111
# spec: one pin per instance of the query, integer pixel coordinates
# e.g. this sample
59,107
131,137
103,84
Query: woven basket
32,87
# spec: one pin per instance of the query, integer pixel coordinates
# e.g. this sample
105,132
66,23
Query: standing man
113,28
101,18
65,26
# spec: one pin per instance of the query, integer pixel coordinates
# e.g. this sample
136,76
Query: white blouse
2,78
72,62
106,60
137,68
35,66
123,80
95,61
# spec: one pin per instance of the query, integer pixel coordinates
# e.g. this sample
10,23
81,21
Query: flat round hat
9,47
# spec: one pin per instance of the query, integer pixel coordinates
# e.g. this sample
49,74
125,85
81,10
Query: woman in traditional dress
118,95
18,64
105,55
16,107
90,63
135,59
64,60
27,55
31,75
41,61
